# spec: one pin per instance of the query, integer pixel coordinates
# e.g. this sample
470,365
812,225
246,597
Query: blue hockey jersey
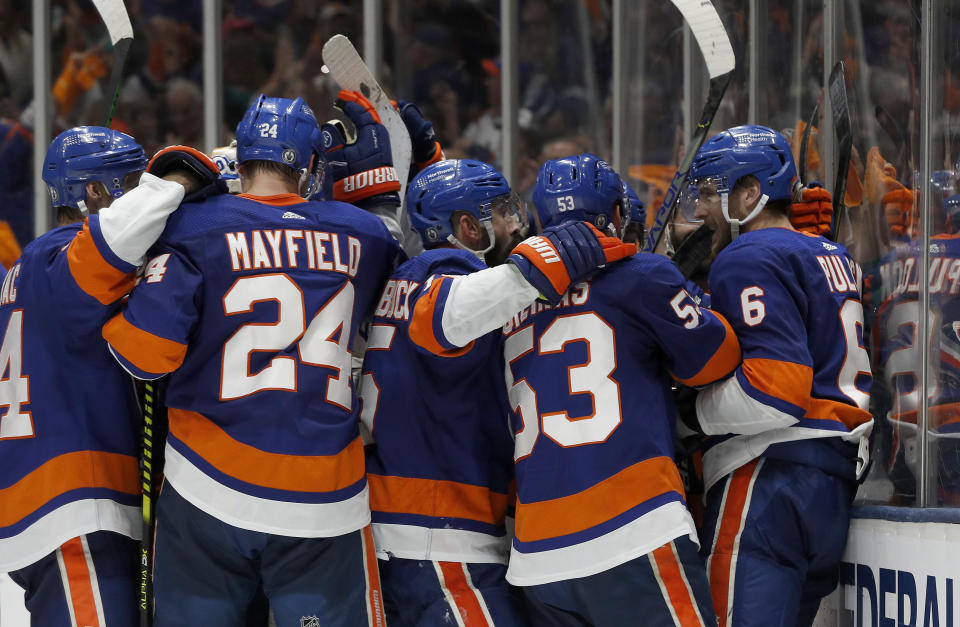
70,423
802,392
591,407
441,472
252,303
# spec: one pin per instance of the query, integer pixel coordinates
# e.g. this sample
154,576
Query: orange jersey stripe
723,361
598,503
825,409
462,594
728,532
781,379
91,271
299,473
81,588
148,352
70,471
431,497
421,323
680,597
277,200
372,572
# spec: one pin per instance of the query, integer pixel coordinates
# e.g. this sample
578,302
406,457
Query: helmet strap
735,224
479,253
82,206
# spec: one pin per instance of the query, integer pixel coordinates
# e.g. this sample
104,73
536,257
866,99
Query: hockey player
602,533
252,303
792,424
70,519
441,471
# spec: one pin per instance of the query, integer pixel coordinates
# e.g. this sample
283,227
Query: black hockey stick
717,52
841,126
115,17
149,405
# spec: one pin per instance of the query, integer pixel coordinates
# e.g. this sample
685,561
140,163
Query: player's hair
255,167
68,215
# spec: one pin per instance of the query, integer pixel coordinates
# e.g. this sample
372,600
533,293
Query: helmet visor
698,194
512,209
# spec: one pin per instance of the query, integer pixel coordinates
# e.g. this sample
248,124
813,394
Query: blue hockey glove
362,168
426,148
565,254
199,167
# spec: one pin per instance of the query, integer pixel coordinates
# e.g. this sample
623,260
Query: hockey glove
202,172
426,148
899,208
813,213
565,254
362,168
693,251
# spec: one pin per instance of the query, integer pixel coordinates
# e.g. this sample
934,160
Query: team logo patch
54,196
327,139
116,183
432,234
829,246
309,621
601,222
289,215
289,155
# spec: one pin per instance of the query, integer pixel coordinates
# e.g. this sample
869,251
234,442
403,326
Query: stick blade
351,73
710,34
114,15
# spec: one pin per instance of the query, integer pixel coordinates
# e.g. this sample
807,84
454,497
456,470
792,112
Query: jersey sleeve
771,388
699,345
102,258
451,311
149,336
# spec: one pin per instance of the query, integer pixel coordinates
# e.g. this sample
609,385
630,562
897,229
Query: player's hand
426,148
191,168
813,213
565,254
359,167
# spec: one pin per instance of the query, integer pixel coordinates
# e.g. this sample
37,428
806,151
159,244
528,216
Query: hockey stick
351,73
841,126
115,17
805,143
147,462
717,52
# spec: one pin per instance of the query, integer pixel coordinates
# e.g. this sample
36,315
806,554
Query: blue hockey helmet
583,187
280,130
638,209
445,187
83,154
741,151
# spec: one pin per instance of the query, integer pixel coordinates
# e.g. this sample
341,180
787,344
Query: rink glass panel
16,140
653,132
943,225
882,229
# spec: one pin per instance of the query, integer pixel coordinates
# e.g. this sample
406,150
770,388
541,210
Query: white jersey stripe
67,598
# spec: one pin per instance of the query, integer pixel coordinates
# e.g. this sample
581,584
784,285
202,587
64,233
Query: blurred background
516,82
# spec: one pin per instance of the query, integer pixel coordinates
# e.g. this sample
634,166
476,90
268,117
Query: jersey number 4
592,377
324,342
14,386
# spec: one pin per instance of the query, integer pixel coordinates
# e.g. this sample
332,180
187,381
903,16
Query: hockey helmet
445,187
84,154
742,151
280,130
583,187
